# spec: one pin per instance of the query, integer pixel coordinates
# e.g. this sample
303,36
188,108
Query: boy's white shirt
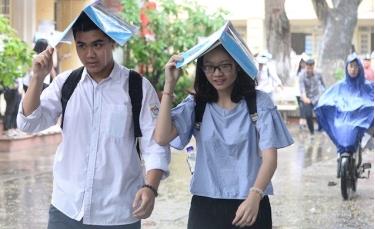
96,167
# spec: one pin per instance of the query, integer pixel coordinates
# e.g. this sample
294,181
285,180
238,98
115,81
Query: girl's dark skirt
209,213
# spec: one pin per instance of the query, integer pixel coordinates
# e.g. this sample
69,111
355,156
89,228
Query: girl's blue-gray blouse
228,158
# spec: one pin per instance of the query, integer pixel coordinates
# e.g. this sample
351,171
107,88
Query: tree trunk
278,37
338,25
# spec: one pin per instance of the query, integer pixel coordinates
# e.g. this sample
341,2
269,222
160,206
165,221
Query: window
366,39
302,42
4,8
241,29
364,43
309,44
298,42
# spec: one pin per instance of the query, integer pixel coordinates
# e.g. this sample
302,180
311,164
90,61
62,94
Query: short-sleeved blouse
228,158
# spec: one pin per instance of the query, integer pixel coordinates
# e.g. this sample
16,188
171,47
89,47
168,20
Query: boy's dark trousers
58,220
308,110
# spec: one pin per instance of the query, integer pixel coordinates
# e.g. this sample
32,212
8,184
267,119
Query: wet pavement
303,198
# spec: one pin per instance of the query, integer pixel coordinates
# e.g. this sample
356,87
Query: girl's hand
171,72
247,212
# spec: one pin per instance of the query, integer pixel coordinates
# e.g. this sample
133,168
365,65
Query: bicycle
350,169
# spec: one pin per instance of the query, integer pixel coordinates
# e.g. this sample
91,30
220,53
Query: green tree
15,55
175,28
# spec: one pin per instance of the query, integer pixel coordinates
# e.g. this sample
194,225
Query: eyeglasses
223,68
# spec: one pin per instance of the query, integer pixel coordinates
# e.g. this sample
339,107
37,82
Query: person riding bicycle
346,109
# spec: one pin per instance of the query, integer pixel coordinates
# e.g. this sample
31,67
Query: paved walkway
303,198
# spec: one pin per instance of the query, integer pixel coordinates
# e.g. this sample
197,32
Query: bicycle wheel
346,178
356,163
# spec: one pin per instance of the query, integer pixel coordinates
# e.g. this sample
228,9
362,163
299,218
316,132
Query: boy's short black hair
310,62
85,24
40,45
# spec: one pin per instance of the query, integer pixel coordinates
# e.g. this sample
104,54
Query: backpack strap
136,96
68,88
251,102
199,108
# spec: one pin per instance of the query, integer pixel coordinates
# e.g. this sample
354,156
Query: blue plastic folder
231,41
107,21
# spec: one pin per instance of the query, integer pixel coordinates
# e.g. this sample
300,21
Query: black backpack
135,93
250,99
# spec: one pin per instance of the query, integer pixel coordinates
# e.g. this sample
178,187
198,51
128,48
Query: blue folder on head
229,38
107,21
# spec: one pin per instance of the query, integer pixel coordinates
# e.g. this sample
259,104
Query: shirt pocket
115,120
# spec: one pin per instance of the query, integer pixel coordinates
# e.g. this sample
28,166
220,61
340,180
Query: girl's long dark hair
205,92
300,66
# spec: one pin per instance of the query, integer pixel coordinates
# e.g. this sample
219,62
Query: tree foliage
15,55
175,28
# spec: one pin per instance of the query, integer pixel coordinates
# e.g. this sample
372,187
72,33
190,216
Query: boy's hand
42,64
143,203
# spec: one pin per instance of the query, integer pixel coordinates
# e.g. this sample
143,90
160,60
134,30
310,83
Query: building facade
306,32
30,16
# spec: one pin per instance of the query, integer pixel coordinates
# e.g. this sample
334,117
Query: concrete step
15,140
10,144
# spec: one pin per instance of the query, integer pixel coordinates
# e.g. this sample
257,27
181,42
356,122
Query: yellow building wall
45,11
22,18
67,10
